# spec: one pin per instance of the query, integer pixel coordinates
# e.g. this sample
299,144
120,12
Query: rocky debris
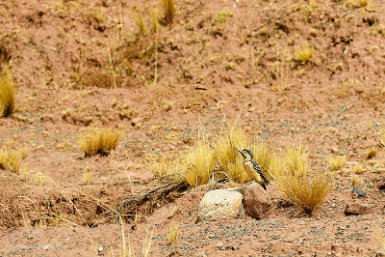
257,203
220,204
381,185
380,252
355,209
358,192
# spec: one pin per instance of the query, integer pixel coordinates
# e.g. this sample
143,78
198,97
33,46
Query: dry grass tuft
12,159
171,168
99,141
173,235
307,194
229,160
337,162
7,92
291,173
139,21
382,136
356,181
200,164
358,169
168,11
371,153
294,162
304,53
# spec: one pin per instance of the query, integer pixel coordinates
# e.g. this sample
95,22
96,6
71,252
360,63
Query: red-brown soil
76,65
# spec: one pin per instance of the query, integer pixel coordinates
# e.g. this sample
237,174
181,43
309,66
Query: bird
252,168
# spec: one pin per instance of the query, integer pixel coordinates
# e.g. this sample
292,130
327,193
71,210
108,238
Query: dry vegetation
12,159
337,162
306,191
304,53
99,141
7,92
200,164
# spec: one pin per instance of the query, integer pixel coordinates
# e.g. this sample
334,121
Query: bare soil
82,64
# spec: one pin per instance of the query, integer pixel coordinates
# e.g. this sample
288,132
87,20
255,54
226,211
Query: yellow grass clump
12,159
356,181
371,153
337,162
139,21
168,11
358,169
304,53
199,164
292,176
171,168
173,235
7,92
229,160
294,162
305,193
99,141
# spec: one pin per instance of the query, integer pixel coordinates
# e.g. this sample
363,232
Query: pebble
220,246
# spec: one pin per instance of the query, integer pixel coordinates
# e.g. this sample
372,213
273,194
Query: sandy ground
82,64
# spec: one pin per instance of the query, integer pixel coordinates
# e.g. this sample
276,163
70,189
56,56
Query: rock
380,252
101,251
220,246
256,203
381,185
220,204
359,192
355,209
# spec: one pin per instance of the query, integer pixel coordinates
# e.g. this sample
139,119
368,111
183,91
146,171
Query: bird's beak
240,152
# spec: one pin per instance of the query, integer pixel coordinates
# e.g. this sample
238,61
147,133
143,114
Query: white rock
220,204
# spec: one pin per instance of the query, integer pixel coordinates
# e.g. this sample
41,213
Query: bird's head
246,154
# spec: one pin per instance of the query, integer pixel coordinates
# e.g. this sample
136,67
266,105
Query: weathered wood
130,205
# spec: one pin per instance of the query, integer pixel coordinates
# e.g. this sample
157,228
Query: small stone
355,209
381,185
380,251
46,247
101,251
220,246
359,192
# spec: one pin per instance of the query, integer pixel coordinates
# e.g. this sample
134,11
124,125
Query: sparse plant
200,164
337,162
228,158
154,18
171,168
139,21
12,159
87,176
304,53
264,156
126,248
371,153
222,17
99,141
382,136
358,169
356,181
173,235
7,92
292,176
168,12
305,193
294,162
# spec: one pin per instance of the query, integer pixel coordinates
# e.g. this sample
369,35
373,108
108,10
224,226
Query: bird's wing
258,169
